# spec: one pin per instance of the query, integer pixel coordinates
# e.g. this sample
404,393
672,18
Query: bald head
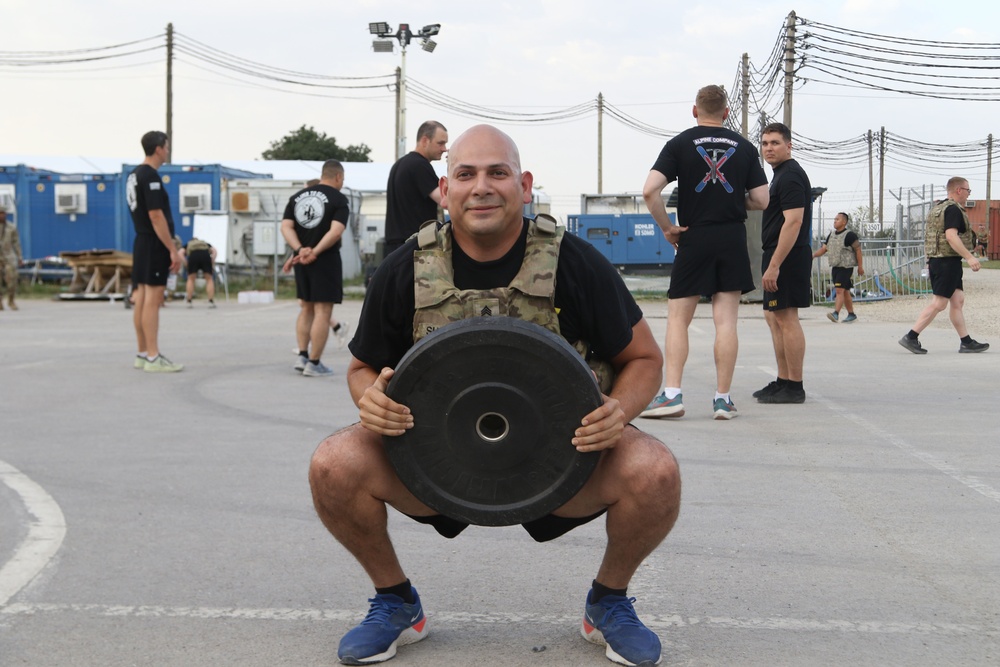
476,139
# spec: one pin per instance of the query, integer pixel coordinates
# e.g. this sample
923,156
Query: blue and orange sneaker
612,622
390,623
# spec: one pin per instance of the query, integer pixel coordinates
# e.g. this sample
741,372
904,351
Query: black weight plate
495,403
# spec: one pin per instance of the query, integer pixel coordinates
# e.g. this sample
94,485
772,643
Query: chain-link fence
892,268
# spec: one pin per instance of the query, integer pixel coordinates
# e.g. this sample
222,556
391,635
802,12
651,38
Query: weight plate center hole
492,427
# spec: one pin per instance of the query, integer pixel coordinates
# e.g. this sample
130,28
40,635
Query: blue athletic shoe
723,410
390,623
612,622
661,407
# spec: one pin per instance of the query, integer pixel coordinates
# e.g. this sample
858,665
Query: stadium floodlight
381,29
428,45
430,30
383,46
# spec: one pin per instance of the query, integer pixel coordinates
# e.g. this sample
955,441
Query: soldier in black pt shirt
412,193
154,255
719,177
786,264
314,221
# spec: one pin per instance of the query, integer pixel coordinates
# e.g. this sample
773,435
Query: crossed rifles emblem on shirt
715,162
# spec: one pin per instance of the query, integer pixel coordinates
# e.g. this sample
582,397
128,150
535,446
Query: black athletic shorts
946,275
322,281
710,259
794,280
841,276
549,527
150,261
199,260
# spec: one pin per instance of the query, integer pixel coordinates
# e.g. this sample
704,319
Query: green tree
306,143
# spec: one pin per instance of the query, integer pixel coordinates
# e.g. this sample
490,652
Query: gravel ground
982,307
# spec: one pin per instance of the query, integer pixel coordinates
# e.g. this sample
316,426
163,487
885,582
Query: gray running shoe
162,365
316,370
341,335
301,363
833,317
851,317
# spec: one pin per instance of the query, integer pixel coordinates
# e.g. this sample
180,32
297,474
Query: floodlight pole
401,108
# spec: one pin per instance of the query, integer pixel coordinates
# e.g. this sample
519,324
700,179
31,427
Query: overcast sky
647,58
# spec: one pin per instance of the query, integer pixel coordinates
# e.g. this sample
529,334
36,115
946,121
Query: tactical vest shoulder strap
427,235
545,223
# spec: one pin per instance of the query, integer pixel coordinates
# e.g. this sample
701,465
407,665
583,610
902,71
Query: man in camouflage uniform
10,260
490,260
199,257
947,241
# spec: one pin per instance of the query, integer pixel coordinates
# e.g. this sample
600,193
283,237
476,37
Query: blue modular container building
630,241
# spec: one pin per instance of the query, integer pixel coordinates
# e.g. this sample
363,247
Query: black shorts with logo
150,261
794,280
710,259
842,276
946,275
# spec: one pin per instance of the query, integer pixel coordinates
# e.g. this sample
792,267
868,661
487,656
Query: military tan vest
529,297
838,252
935,243
197,244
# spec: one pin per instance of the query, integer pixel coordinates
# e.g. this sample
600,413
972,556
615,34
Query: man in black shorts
314,221
200,257
718,177
786,264
154,255
947,241
844,247
636,483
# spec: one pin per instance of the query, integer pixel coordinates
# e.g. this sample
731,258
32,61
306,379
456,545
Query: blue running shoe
390,623
723,410
661,407
612,622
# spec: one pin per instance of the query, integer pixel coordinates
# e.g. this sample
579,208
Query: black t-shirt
714,167
594,304
408,203
953,219
314,209
144,192
790,189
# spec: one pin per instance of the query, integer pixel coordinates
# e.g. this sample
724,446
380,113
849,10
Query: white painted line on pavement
653,621
969,481
45,533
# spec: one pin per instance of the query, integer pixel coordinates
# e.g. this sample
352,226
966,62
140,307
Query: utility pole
989,180
745,106
881,177
399,130
600,143
789,67
871,178
170,86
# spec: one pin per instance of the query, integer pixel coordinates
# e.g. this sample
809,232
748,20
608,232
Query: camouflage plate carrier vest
197,244
935,243
839,252
530,296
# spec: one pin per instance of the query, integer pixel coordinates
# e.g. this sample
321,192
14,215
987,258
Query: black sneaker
913,345
973,346
768,390
786,394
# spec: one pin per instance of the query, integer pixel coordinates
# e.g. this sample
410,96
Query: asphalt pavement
166,519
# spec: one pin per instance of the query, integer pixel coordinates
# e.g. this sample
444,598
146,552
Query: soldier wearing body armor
844,248
947,241
200,264
490,260
10,260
